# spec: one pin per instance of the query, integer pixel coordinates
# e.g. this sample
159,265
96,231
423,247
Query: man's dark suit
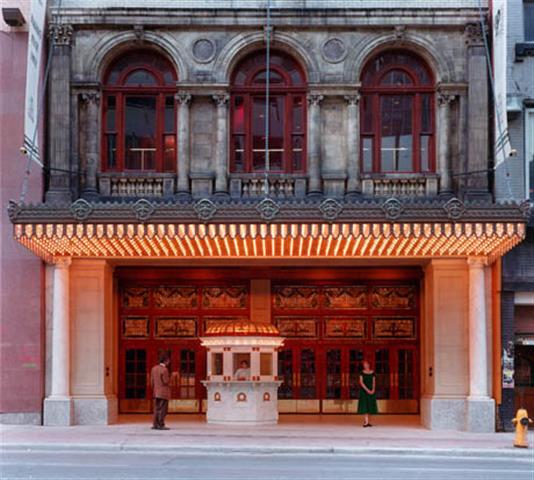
160,381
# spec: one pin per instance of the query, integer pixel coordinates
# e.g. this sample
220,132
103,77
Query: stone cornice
296,211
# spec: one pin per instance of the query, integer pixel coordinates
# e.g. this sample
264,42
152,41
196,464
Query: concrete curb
506,453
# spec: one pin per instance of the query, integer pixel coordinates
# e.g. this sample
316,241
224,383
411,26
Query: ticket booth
242,365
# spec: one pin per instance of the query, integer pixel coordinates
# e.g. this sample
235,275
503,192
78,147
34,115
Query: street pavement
153,466
300,446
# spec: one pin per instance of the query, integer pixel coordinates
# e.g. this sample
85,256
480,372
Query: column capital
90,96
477,262
445,97
353,99
474,34
61,262
314,99
221,100
60,34
183,98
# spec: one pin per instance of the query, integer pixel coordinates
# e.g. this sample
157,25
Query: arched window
139,117
287,115
397,115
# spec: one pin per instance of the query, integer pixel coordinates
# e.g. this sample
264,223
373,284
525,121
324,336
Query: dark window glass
239,153
382,61
382,373
298,115
308,386
367,121
285,373
239,115
139,133
276,133
406,374
142,58
367,148
396,133
529,20
111,149
140,78
169,153
396,77
426,113
274,78
355,359
169,115
135,373
110,113
333,373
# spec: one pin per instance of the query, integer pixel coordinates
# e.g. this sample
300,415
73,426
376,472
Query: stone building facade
364,227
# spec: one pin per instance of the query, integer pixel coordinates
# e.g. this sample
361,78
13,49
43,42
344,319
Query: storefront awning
280,240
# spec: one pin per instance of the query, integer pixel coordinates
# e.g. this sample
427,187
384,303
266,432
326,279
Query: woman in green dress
367,398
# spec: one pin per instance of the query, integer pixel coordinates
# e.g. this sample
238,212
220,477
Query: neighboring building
363,228
21,273
515,181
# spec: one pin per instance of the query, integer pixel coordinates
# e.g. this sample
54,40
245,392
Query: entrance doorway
331,319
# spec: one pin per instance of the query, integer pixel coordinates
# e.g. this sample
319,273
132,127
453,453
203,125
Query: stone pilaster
183,150
480,414
90,150
444,154
221,149
314,143
353,145
59,114
477,113
58,409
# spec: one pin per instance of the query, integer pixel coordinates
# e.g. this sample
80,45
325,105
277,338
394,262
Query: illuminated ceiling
261,240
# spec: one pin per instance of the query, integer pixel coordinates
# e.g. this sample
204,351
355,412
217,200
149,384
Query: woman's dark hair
163,357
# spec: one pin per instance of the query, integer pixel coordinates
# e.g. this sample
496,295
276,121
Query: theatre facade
363,227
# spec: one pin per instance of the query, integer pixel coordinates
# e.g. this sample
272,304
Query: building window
139,118
397,115
287,115
528,13
529,151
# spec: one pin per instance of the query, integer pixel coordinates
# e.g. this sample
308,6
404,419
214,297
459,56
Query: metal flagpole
267,86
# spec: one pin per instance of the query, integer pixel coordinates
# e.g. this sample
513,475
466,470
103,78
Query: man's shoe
154,428
164,428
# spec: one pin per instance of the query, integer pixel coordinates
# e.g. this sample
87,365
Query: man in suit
160,381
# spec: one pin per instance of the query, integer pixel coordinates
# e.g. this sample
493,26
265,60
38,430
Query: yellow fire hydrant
521,422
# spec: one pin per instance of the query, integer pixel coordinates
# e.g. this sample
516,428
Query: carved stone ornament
60,34
526,208
203,50
81,209
13,210
268,209
454,208
392,208
474,34
183,98
90,97
143,209
221,100
205,209
330,209
399,32
314,99
445,98
353,99
139,32
334,50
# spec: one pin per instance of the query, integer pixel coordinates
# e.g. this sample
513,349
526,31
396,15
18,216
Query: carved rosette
268,209
392,208
205,209
454,208
60,34
81,209
143,209
330,209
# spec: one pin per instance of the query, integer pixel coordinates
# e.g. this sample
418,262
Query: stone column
183,151
58,406
221,150
314,143
353,145
478,115
59,114
90,151
444,154
480,408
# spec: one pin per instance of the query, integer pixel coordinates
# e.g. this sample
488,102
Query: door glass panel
396,130
285,373
308,387
135,373
355,366
406,374
187,374
140,133
333,373
382,373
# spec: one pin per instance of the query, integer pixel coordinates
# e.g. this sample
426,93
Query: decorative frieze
296,297
345,297
394,328
393,297
225,297
175,297
297,327
60,34
345,327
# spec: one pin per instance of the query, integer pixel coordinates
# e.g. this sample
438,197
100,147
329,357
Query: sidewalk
302,434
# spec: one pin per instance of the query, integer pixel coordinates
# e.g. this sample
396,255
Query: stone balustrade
280,186
136,185
401,186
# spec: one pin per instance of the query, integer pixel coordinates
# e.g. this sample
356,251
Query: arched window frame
291,95
374,91
113,131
